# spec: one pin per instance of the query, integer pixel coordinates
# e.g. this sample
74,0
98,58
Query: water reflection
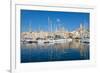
54,52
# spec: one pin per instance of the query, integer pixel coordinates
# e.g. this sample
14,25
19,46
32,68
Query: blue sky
39,20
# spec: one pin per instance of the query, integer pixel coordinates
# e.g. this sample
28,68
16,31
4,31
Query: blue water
50,53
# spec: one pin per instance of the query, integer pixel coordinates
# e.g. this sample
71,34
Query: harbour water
68,51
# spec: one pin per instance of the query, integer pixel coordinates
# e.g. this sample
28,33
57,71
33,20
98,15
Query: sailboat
29,38
84,37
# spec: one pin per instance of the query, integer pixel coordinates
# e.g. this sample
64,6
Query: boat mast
30,28
81,31
49,23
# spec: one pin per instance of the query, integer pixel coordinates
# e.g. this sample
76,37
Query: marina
58,36
52,39
59,46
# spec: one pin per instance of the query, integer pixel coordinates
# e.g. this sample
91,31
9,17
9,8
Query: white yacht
85,40
69,40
